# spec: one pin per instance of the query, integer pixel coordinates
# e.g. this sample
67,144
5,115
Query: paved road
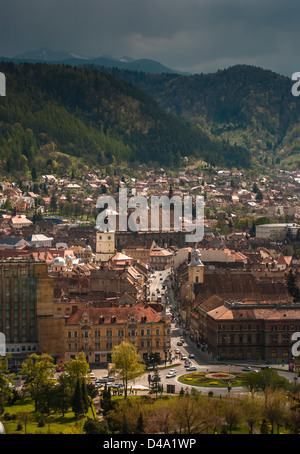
202,360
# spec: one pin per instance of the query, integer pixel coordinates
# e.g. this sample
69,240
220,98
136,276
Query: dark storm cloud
190,35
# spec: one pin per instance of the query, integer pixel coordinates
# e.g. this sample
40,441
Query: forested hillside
66,116
247,105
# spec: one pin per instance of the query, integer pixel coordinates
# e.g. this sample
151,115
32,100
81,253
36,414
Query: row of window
255,339
21,348
120,333
251,354
147,343
257,327
14,271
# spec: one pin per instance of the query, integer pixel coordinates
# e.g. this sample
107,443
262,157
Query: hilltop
74,116
247,105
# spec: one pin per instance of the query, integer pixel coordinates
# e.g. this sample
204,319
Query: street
159,289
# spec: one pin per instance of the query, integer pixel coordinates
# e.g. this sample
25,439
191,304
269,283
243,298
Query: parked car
102,380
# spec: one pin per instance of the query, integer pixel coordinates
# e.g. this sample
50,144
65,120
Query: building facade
236,331
26,295
96,331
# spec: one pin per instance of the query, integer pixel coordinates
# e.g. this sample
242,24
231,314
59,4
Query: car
184,357
190,368
177,351
249,369
179,343
110,379
102,380
173,371
171,375
191,356
266,367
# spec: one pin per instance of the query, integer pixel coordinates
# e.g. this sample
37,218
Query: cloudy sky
187,35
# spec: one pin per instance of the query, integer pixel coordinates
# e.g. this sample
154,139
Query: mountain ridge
244,104
46,55
57,112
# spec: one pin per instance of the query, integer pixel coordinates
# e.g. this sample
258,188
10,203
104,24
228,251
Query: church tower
196,272
105,245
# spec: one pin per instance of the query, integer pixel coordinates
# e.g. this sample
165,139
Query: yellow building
141,254
96,331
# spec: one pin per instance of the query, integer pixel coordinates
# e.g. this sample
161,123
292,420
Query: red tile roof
121,314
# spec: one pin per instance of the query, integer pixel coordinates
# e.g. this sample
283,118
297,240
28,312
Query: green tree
259,196
154,384
77,401
37,370
106,403
53,203
292,287
127,364
140,427
62,394
5,389
77,369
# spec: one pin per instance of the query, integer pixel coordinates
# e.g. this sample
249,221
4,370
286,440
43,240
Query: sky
196,36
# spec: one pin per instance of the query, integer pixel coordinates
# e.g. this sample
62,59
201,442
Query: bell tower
105,245
196,272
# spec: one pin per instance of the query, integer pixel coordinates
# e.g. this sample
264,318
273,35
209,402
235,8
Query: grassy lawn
54,423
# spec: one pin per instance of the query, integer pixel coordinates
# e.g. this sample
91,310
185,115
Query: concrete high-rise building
26,309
